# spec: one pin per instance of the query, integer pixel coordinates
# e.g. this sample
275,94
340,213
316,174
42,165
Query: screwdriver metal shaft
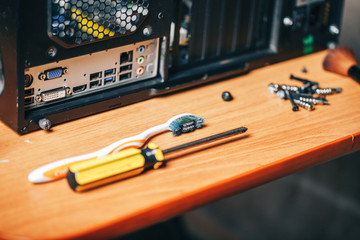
206,139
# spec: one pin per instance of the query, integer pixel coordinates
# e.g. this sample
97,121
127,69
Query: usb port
79,88
125,76
94,76
95,84
126,68
29,92
29,100
109,80
109,72
126,57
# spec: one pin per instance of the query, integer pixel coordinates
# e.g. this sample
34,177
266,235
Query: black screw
304,81
306,88
226,96
160,15
294,106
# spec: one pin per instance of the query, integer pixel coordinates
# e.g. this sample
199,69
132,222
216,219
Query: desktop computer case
65,59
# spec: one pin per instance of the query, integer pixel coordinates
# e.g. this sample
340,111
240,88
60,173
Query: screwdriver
127,163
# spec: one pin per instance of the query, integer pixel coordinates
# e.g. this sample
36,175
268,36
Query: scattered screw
303,96
304,81
226,96
281,94
307,106
304,70
314,101
273,88
327,91
294,106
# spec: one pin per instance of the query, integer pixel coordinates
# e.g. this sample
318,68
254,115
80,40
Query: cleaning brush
178,124
341,60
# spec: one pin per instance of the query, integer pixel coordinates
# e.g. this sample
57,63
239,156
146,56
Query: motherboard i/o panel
65,59
82,75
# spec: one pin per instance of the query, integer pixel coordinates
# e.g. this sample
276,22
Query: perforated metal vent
76,22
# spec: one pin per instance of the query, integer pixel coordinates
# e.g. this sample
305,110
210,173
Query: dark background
350,33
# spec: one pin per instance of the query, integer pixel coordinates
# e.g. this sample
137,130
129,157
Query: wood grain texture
278,142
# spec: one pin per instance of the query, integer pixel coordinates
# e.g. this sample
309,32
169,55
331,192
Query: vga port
53,73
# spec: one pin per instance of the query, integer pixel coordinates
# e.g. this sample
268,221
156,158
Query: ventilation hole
78,21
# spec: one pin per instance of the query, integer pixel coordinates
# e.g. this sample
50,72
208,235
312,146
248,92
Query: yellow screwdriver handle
123,164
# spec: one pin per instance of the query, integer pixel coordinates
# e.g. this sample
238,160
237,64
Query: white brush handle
58,169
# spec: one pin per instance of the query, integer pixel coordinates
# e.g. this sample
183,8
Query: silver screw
52,52
44,124
334,30
331,45
38,98
288,22
307,106
147,31
68,91
42,76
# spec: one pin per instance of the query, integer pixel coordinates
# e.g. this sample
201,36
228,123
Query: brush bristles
339,60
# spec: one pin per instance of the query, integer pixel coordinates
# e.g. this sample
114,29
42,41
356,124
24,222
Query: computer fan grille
76,22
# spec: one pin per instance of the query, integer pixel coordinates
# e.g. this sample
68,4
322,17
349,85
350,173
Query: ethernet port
126,57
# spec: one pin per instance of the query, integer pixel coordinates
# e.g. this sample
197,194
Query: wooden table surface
279,142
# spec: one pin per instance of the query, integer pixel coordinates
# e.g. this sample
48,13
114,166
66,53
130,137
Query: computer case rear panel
65,59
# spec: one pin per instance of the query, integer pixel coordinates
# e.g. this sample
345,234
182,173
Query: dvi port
54,94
